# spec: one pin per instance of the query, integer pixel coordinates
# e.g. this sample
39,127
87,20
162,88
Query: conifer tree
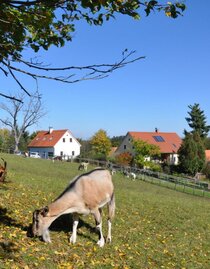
192,154
197,121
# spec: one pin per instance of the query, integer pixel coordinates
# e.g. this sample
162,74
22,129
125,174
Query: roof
207,153
112,151
167,142
47,139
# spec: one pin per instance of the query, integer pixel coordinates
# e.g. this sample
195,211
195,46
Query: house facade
169,143
53,143
207,155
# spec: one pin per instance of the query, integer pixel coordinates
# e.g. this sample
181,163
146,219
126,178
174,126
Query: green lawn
154,227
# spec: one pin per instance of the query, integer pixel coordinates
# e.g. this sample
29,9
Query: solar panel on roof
158,138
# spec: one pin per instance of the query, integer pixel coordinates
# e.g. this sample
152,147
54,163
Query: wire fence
179,183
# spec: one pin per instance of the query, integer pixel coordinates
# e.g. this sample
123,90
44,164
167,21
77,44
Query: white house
169,143
55,143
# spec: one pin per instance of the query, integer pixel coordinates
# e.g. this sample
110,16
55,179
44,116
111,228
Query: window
124,146
64,140
70,139
158,138
72,153
50,154
61,153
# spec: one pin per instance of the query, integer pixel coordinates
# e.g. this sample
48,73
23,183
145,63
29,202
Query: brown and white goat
3,171
86,194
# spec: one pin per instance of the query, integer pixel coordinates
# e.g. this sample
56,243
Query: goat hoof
72,240
101,242
108,240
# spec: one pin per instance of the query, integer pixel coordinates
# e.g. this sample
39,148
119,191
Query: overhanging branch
77,73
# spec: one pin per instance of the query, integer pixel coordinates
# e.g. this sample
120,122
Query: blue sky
154,92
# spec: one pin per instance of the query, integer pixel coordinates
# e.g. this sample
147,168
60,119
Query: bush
124,158
153,166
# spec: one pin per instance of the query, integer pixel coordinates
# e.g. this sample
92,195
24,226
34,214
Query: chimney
50,130
156,130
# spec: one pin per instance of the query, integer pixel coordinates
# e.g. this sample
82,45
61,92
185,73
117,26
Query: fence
178,183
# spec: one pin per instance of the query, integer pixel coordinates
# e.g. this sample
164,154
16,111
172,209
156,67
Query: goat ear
44,211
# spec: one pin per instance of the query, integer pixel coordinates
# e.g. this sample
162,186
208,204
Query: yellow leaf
42,258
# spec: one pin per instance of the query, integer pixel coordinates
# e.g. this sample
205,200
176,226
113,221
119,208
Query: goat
86,194
83,166
3,171
129,174
133,175
113,171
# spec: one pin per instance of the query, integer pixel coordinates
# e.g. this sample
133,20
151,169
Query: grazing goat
83,166
86,194
133,175
129,174
3,171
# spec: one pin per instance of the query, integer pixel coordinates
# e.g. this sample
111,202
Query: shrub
124,158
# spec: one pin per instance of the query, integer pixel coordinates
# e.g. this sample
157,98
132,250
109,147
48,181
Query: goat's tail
111,207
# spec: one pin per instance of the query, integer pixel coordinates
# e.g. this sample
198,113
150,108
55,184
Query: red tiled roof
167,142
207,153
47,139
112,151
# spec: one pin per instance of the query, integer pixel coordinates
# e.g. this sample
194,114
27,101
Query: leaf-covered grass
154,227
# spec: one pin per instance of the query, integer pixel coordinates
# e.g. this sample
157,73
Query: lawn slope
154,227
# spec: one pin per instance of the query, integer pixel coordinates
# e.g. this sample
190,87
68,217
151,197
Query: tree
207,143
22,115
101,144
85,151
191,154
5,139
117,140
39,24
142,150
197,121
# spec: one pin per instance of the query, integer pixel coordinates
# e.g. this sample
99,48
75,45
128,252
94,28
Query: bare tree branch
22,115
79,73
10,97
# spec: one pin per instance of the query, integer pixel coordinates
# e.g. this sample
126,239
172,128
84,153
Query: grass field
154,227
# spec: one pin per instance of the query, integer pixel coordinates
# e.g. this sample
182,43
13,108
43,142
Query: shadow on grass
3,185
8,221
65,223
7,250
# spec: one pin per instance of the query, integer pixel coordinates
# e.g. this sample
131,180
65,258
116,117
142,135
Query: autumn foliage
124,158
154,227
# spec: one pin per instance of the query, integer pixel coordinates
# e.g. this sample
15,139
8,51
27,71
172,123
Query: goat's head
40,224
